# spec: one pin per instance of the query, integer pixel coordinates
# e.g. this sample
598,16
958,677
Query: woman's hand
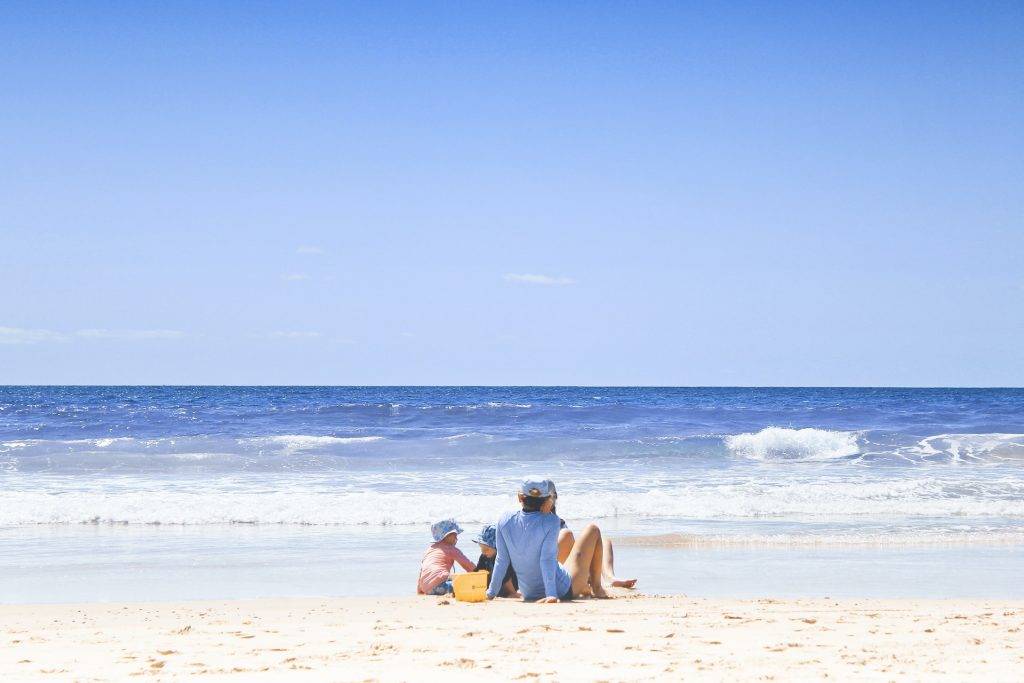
548,601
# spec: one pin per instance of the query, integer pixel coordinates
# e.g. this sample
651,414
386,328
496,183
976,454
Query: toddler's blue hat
446,526
535,487
488,536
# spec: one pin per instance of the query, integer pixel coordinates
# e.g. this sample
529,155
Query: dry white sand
425,638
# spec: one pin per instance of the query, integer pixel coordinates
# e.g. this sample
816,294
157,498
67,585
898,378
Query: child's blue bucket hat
488,536
446,526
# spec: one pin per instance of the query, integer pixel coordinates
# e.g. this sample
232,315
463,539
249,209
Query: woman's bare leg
565,543
585,563
608,570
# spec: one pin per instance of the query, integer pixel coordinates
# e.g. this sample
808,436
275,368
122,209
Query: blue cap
535,487
444,527
488,536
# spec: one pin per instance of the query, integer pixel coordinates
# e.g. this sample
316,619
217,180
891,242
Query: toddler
441,556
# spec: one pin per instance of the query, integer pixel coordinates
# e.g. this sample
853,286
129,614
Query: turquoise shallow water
80,564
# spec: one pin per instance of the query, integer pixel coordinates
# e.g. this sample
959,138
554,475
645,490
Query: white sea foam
72,445
469,437
973,447
95,443
322,502
175,506
780,444
901,538
295,443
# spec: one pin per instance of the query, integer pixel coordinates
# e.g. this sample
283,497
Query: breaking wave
780,444
479,449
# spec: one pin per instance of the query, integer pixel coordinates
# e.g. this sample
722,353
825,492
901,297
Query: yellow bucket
471,586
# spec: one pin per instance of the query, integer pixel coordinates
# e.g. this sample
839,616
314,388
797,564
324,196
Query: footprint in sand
461,662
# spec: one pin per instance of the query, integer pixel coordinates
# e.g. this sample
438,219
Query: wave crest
780,444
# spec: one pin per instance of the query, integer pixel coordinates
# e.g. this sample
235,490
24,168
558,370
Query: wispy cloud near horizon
22,335
27,336
289,334
294,277
535,279
129,335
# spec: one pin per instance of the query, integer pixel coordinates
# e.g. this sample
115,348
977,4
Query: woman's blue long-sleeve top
529,542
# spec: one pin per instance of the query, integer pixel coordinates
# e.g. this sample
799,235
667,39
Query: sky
578,193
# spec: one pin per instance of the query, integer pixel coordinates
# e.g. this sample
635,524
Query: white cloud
290,334
306,249
533,279
19,335
294,277
302,335
129,335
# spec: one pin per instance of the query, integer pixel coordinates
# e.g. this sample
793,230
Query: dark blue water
745,462
65,413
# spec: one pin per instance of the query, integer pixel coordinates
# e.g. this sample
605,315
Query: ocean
193,492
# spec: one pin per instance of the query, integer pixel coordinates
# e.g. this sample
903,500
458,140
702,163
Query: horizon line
523,386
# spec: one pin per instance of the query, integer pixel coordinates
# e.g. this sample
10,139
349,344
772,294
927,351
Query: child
488,551
441,556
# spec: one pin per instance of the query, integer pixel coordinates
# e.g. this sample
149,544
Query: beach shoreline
631,637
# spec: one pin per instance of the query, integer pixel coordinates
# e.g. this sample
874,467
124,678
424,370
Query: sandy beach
632,637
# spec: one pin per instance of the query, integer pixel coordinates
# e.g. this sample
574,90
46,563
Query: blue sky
535,193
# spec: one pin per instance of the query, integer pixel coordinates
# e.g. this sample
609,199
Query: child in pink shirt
441,556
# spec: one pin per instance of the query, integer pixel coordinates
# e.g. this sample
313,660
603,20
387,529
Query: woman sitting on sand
528,540
566,541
